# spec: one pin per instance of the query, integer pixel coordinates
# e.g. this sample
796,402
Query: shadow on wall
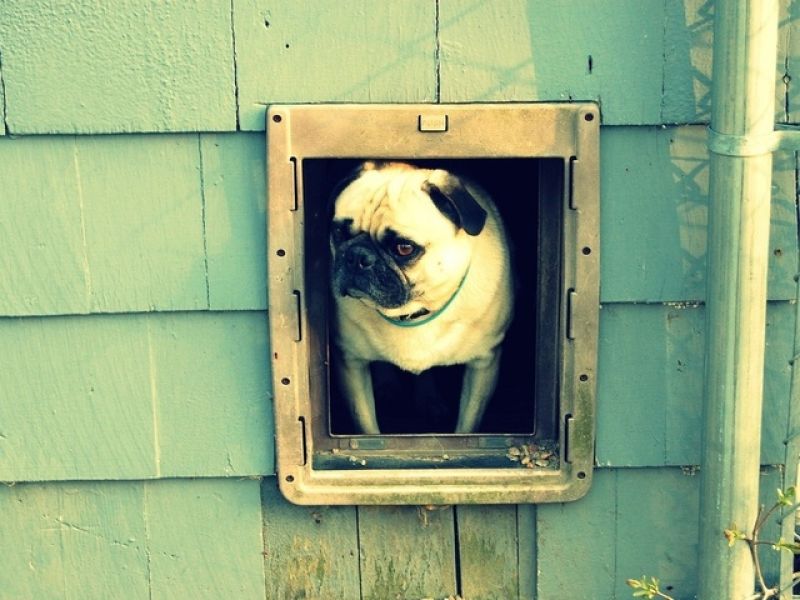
688,45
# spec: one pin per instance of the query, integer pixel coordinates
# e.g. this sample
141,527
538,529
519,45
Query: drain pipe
741,141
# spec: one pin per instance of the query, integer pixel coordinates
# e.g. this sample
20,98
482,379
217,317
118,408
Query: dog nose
361,258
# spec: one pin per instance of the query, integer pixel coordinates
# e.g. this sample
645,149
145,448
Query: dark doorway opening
529,193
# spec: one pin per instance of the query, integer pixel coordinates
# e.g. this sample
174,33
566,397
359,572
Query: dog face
400,235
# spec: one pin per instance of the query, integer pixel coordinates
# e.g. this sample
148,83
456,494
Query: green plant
648,587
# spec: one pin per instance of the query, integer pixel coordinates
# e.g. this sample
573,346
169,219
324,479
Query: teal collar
408,321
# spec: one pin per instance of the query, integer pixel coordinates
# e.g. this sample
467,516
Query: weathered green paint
527,550
654,215
74,405
688,29
656,529
633,522
209,377
326,50
160,222
575,544
654,418
406,552
198,383
309,552
487,548
101,224
234,192
159,539
205,539
134,396
143,234
73,540
688,37
792,460
154,540
131,223
541,49
155,67
313,552
42,258
788,39
83,66
173,226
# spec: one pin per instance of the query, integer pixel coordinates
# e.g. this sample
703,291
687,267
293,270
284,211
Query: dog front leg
356,381
480,379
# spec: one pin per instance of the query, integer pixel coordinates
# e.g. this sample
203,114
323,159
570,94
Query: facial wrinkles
375,208
370,212
387,199
402,190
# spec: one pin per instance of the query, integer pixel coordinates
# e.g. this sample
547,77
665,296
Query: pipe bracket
742,145
785,137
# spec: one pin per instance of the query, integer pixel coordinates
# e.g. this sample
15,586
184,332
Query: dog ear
455,201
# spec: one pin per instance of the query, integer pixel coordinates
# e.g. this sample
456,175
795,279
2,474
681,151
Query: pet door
539,164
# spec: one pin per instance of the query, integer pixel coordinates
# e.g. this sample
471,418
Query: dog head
402,237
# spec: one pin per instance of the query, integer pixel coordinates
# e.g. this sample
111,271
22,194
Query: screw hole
277,118
290,478
588,117
584,377
581,475
285,381
586,250
281,252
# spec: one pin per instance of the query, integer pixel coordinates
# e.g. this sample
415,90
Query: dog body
420,278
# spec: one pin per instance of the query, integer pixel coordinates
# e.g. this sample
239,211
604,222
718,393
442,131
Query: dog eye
404,249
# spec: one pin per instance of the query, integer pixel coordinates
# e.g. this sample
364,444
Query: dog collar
415,319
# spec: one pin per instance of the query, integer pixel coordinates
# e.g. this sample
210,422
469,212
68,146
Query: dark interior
530,196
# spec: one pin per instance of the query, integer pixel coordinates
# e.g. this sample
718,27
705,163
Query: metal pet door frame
295,133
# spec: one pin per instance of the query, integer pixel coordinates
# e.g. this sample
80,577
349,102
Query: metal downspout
741,141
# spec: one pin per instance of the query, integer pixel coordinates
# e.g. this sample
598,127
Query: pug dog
420,277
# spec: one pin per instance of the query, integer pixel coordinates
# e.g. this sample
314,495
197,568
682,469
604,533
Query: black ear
455,201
